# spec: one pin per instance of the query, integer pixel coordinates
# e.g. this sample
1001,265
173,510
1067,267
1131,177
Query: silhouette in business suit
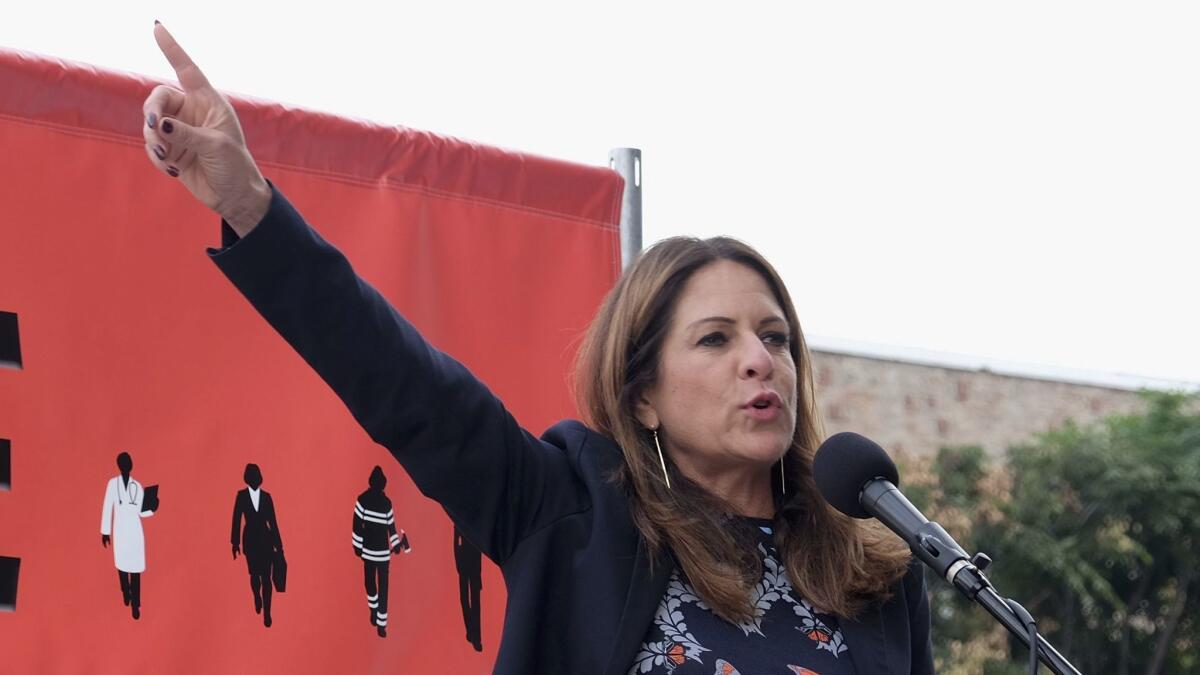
470,582
259,540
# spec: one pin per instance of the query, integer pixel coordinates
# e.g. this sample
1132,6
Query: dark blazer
581,593
259,538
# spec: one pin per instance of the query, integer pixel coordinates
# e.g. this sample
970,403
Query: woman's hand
194,135
104,540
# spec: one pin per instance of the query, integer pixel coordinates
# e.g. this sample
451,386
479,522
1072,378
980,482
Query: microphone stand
967,576
935,547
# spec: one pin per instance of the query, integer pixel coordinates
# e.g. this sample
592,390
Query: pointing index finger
190,77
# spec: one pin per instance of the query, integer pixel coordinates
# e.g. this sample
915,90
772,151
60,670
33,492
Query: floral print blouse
787,635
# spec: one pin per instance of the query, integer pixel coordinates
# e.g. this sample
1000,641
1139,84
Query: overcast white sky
1010,180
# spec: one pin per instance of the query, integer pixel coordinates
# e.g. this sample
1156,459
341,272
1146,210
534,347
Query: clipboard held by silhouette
150,501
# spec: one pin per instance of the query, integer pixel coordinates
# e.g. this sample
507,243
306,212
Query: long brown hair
839,564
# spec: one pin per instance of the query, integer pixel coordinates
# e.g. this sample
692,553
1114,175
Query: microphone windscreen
844,463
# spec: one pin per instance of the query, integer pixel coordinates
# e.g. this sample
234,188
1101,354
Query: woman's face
725,394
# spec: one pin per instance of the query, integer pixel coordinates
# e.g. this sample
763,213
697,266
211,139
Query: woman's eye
712,340
778,339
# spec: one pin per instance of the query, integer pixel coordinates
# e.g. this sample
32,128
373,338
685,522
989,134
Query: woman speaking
677,529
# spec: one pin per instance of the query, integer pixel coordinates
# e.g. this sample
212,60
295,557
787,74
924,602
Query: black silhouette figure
10,571
121,517
10,340
375,539
470,583
259,539
5,464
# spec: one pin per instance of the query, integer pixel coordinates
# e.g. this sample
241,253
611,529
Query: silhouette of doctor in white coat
121,519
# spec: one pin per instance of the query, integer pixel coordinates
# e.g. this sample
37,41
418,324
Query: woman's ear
646,413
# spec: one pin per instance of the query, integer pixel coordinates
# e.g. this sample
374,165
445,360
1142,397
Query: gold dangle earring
782,484
661,461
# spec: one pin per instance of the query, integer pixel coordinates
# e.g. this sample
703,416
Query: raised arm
193,134
456,440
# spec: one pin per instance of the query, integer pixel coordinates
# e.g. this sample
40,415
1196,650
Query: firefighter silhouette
375,540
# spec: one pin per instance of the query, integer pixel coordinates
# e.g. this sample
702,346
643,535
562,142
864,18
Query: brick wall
916,408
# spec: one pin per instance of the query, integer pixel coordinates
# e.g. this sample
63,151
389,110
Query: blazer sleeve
273,521
235,536
456,440
919,619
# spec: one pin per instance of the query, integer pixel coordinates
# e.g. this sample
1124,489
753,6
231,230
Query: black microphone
858,478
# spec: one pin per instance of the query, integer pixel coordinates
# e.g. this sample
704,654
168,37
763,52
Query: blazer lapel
867,641
645,592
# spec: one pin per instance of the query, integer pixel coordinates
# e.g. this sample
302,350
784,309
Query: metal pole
628,163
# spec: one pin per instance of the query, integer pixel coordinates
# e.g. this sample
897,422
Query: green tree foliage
1095,530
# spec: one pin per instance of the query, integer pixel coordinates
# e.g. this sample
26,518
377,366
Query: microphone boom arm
935,547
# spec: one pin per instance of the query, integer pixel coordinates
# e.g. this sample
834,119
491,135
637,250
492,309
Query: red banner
130,341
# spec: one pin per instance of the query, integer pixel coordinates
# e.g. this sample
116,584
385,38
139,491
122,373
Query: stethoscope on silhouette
130,489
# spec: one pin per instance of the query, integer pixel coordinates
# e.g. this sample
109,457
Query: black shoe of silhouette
381,631
267,619
257,605
477,645
125,596
137,612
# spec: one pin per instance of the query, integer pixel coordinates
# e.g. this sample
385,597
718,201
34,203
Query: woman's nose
756,360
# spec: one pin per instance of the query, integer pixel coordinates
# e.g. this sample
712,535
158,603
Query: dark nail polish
157,22
167,127
151,120
159,152
173,172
